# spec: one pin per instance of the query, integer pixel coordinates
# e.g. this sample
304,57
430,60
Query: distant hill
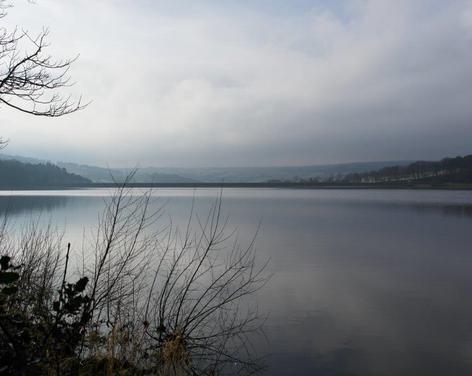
226,174
15,174
447,170
324,172
266,174
107,175
20,172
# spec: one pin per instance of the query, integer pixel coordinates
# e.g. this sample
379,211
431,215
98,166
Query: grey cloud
218,86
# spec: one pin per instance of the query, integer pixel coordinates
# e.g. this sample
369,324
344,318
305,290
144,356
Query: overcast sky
254,83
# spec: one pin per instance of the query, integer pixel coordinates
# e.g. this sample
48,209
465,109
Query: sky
253,83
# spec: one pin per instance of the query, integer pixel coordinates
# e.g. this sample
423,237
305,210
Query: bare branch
30,79
163,300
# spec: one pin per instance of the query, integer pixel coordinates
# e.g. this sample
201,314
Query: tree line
15,174
447,170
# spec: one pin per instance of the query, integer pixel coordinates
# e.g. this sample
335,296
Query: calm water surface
365,282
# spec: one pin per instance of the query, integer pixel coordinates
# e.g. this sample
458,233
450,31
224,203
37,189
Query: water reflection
365,282
15,205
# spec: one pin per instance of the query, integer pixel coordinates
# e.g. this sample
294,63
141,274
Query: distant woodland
15,174
447,170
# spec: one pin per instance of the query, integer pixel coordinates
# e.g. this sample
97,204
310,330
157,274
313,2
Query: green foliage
48,342
8,276
71,301
44,341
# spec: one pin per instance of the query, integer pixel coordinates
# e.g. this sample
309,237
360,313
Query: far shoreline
282,185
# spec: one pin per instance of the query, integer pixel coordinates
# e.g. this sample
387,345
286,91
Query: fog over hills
106,175
228,174
217,174
282,173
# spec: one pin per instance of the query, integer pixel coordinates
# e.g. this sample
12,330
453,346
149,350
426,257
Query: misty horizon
165,167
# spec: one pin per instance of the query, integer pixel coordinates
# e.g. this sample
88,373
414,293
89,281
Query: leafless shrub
162,301
195,298
174,299
38,250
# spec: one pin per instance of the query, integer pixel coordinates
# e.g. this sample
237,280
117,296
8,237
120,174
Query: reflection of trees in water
446,209
24,204
12,205
458,210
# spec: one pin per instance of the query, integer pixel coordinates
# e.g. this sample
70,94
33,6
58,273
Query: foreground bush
144,299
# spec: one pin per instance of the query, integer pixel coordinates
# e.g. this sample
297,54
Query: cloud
250,83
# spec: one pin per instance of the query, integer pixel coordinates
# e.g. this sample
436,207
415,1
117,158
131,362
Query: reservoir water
364,282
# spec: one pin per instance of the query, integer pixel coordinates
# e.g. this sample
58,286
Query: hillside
227,174
280,173
16,174
19,172
322,172
265,174
108,175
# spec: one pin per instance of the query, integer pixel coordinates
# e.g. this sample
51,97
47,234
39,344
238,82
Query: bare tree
30,79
